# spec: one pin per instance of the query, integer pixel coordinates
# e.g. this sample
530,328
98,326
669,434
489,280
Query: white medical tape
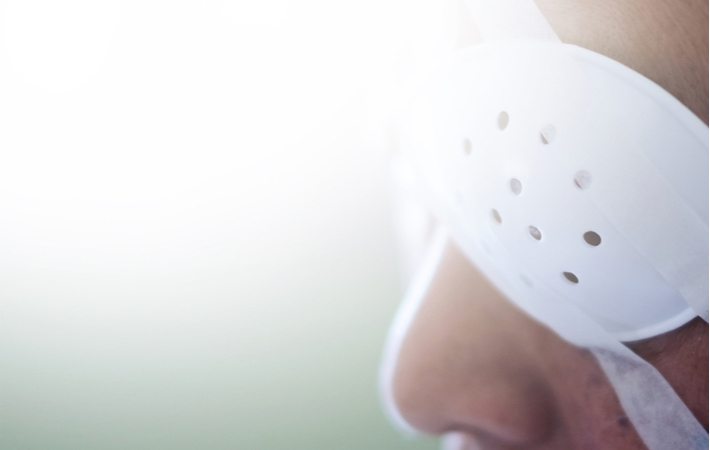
649,402
510,20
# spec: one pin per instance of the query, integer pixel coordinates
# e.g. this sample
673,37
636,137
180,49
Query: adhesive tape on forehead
568,178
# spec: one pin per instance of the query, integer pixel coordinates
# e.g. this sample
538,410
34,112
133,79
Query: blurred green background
196,240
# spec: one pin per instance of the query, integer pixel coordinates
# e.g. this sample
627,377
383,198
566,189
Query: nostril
516,412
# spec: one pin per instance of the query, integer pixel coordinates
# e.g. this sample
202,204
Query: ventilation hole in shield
547,134
572,278
503,120
516,186
592,238
467,146
583,179
496,216
535,233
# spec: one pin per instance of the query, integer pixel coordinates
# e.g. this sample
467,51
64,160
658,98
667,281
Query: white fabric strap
649,401
505,20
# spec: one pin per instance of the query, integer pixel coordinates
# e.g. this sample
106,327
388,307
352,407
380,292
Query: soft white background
196,244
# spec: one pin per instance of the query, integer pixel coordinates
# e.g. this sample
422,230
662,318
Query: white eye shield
574,176
578,187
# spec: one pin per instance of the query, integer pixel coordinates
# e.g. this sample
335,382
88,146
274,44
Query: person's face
471,363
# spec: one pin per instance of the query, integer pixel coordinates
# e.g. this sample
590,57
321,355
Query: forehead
665,41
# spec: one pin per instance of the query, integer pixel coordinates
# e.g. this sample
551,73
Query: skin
667,41
473,364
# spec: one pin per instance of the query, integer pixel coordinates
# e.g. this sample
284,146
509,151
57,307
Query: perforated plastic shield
569,178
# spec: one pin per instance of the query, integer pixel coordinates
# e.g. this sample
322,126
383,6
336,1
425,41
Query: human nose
467,362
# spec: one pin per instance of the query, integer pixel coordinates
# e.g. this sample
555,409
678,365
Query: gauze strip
644,394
